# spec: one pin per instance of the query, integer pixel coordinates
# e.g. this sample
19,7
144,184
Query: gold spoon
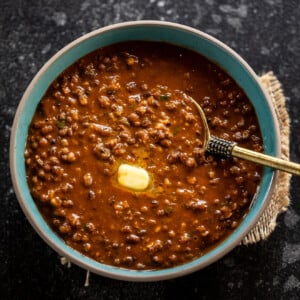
215,145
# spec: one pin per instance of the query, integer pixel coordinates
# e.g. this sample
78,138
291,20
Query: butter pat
132,177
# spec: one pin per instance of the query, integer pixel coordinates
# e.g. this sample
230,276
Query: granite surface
265,33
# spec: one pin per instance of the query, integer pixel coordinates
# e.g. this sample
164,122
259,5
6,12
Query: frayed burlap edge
280,199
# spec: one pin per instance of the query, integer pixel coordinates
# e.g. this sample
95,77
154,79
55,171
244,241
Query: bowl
172,33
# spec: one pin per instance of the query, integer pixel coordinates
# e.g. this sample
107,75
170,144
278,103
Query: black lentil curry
126,104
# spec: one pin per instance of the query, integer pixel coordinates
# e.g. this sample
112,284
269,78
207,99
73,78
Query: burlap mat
280,199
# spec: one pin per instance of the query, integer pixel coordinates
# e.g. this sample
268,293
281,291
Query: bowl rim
84,261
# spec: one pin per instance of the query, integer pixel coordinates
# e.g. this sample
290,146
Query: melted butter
133,177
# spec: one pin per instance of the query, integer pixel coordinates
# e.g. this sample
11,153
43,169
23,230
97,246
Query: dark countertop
265,33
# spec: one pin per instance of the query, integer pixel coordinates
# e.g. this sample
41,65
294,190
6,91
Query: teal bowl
172,33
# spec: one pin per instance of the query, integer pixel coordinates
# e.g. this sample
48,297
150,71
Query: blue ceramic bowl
177,34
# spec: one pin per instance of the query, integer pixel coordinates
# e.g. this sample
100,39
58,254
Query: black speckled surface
265,33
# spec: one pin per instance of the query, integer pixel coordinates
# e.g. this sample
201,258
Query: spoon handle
266,160
228,149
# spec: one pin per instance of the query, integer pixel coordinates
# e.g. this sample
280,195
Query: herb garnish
164,97
175,130
61,123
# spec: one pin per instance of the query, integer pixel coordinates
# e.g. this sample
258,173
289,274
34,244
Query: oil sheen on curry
115,159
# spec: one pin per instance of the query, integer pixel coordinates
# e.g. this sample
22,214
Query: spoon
225,148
